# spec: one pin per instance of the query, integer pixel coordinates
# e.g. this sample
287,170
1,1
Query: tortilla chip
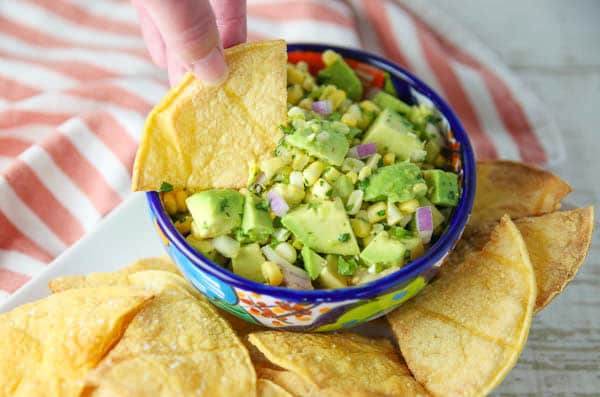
516,189
557,244
266,388
292,383
119,277
338,364
176,346
47,347
200,137
465,331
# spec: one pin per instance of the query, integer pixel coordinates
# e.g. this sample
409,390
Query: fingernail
211,69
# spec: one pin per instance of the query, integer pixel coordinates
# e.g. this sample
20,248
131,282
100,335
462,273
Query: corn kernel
271,272
184,226
330,57
328,90
180,197
353,176
309,83
369,106
286,251
331,174
360,227
362,214
377,212
389,158
313,172
346,103
197,232
170,203
408,207
294,76
292,194
302,66
294,94
305,103
349,119
271,166
439,161
300,161
364,173
337,98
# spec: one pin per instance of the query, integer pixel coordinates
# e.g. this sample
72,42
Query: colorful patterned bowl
329,310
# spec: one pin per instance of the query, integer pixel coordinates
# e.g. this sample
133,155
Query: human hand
189,35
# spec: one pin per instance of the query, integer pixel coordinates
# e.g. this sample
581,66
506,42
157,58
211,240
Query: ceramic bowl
329,310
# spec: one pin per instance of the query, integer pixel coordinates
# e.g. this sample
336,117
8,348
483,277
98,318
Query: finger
231,20
152,37
190,33
176,69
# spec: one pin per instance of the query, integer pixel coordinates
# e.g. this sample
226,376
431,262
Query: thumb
190,33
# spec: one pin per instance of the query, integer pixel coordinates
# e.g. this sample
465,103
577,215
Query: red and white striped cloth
76,83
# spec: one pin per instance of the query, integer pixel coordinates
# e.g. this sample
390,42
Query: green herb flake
362,185
262,205
286,129
346,267
381,213
343,237
165,187
223,205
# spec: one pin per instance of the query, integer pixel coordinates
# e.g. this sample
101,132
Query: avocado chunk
329,278
313,262
397,182
443,187
342,76
414,247
342,187
247,262
256,222
393,133
384,251
323,226
327,145
206,248
387,101
216,212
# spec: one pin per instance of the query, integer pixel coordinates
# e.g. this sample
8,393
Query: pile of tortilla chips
144,331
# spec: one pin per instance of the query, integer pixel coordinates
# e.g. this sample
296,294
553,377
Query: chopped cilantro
343,237
223,205
329,193
362,185
165,187
398,232
335,116
262,205
346,267
286,129
313,206
381,213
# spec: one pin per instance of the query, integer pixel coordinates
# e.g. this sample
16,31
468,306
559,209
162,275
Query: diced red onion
324,107
278,204
293,277
424,218
362,151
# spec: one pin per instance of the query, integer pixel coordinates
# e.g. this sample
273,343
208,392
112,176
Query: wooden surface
554,46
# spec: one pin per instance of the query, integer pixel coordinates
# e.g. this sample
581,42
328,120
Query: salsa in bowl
365,194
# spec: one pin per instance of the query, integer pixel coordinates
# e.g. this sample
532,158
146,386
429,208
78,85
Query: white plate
122,237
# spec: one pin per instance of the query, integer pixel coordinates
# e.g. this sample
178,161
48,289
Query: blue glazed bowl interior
411,90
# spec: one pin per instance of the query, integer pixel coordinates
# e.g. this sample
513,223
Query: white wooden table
554,46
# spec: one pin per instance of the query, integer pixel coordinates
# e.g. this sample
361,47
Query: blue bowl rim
374,288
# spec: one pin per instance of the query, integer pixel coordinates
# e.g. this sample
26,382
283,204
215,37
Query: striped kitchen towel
76,83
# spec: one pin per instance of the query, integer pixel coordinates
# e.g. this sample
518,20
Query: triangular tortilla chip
516,189
200,137
339,364
176,346
557,244
47,347
119,277
465,331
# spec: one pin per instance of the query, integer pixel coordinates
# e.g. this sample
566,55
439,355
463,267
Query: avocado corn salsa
356,189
